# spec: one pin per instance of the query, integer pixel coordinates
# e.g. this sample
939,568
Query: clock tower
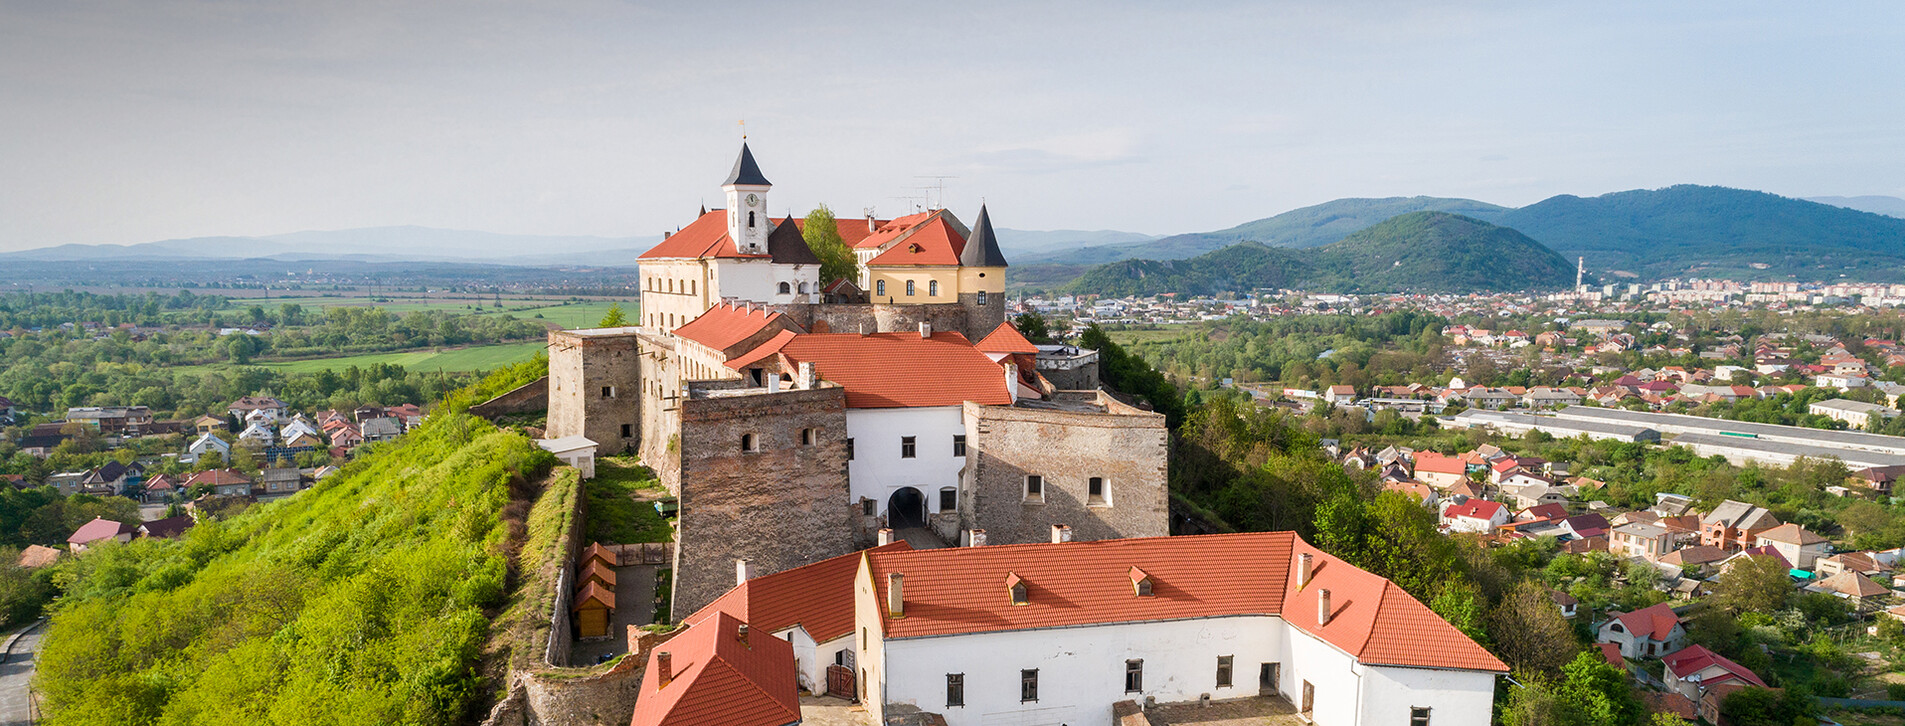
746,188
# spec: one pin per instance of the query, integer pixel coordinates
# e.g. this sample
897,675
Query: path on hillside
16,676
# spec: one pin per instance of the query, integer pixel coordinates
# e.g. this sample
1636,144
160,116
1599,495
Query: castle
797,422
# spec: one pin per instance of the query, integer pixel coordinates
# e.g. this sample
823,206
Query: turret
746,188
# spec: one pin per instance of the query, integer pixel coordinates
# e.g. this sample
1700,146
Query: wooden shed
593,571
594,607
595,552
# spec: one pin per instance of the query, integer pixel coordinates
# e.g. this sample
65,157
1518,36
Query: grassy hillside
1312,226
364,600
1714,231
1418,251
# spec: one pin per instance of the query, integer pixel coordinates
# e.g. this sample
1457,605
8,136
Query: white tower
748,224
1580,271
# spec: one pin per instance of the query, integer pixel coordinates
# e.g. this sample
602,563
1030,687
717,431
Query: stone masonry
782,504
593,376
1065,442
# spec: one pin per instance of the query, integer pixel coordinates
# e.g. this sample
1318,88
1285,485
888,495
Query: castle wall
592,375
778,507
882,318
1066,446
660,390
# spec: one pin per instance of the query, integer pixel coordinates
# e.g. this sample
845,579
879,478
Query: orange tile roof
596,593
725,324
893,370
717,680
596,570
707,236
961,590
817,597
1439,463
595,551
934,243
889,230
1006,339
1655,621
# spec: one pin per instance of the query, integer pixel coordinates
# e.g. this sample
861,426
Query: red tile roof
1475,509
817,597
893,370
934,242
1006,339
961,590
217,477
707,236
1695,658
717,680
1439,463
1611,652
724,325
889,230
1654,621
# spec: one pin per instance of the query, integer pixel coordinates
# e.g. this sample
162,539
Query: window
1095,491
982,297
850,453
932,288
959,444
747,442
948,499
806,437
627,430
1133,676
785,288
879,287
1418,716
750,220
866,505
1019,595
909,288
907,446
608,391
863,639
1224,663
1028,685
1144,587
691,287
1034,488
803,288
955,689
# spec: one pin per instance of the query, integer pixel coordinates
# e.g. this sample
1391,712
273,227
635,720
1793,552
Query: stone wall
593,377
884,318
981,320
531,396
660,390
1085,434
779,506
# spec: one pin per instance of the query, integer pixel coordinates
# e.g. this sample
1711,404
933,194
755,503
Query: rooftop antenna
938,187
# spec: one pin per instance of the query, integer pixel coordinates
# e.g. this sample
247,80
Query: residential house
1567,603
1799,546
258,433
1854,588
1637,539
299,425
36,556
1692,670
1864,563
168,528
1440,470
1735,525
1474,515
222,482
159,488
279,482
1649,632
245,407
1879,479
382,428
1340,395
1696,561
91,534
208,424
207,444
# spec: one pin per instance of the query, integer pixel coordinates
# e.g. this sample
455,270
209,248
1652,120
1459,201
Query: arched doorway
906,508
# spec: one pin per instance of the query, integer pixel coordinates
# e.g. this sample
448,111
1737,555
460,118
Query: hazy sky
125,122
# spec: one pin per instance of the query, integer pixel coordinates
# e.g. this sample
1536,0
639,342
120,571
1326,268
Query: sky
139,120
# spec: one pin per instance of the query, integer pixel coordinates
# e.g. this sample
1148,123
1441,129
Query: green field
1150,335
478,358
573,315
557,310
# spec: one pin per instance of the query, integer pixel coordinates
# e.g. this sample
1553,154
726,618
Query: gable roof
717,680
982,248
1440,463
1851,584
168,527
1793,534
98,529
707,237
746,172
1654,621
593,592
893,370
1694,555
1695,658
818,598
962,590
1006,339
724,325
217,477
1474,508
934,242
1740,515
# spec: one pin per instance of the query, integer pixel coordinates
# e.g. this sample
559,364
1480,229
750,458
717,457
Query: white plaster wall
811,659
758,280
1081,669
1455,698
1333,672
877,469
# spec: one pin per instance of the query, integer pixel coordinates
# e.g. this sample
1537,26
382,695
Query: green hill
366,599
1418,251
1312,226
1691,230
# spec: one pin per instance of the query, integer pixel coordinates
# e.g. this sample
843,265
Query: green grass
614,515
1150,335
557,310
479,358
573,315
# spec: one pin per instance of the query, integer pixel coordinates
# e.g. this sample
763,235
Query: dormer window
1140,582
1015,586
914,248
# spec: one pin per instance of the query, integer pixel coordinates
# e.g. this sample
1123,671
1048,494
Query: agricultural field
1151,335
571,315
561,311
476,358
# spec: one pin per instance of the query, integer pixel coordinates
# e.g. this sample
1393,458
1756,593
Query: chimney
740,633
1303,564
666,234
886,536
805,378
1322,607
773,382
925,329
743,571
895,602
975,538
664,671
871,227
1012,381
1061,533
863,330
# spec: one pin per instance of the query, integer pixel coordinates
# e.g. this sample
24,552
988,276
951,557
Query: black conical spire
746,172
982,247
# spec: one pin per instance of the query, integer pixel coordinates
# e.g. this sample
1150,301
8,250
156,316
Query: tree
614,318
822,233
1767,707
1528,629
1753,584
1596,693
1033,327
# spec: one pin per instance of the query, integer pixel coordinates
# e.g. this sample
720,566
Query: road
16,674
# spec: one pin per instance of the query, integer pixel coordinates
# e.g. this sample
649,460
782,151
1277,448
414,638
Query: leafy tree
1034,328
1767,707
1528,630
1597,694
822,233
1753,584
614,318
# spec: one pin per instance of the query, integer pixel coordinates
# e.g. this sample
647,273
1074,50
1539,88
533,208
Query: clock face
753,200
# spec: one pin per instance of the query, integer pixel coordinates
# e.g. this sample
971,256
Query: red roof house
718,673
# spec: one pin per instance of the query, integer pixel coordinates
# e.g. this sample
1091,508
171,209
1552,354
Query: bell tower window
750,220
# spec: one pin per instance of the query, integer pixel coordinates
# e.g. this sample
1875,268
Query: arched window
785,288
750,220
932,288
909,289
803,288
879,287
747,442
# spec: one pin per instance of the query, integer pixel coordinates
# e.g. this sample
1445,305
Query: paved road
16,673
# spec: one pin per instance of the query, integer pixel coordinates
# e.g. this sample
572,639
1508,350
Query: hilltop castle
798,419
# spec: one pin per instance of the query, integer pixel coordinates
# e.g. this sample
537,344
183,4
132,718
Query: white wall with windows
879,467
1392,695
1081,671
